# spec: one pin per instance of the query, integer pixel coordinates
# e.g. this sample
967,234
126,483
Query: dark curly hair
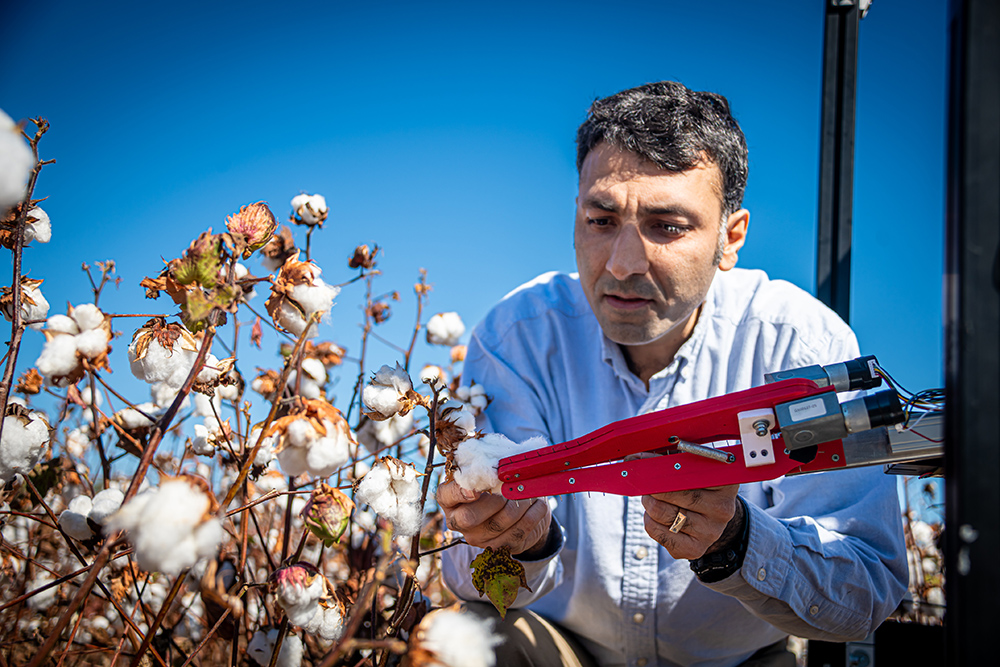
673,127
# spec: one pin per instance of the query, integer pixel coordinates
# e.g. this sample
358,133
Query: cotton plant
453,638
172,525
74,342
393,491
445,329
298,294
34,305
309,600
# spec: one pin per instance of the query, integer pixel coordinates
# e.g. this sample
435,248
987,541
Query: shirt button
641,553
641,662
638,617
761,574
814,610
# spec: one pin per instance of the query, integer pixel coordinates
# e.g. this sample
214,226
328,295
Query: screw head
677,466
624,473
520,487
572,480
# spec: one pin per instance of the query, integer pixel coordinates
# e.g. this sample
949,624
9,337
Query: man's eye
672,230
599,222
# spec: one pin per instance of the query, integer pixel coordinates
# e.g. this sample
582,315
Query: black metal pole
972,333
836,172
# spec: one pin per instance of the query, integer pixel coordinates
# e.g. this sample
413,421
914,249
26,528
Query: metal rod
701,450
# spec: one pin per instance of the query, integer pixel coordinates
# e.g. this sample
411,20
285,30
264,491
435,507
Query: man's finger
451,494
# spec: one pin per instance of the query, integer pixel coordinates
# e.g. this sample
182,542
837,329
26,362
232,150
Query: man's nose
628,254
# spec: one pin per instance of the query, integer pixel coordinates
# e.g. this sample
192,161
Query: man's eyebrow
608,205
668,209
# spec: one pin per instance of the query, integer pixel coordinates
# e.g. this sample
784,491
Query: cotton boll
135,418
169,526
328,623
315,298
458,639
201,442
77,442
393,429
310,209
43,600
87,316
477,460
62,324
105,503
58,358
91,398
24,436
207,406
300,433
38,227
73,520
34,305
314,369
326,455
261,648
266,452
445,329
299,589
393,491
228,392
161,365
16,163
92,343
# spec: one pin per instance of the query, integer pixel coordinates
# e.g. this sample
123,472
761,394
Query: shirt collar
612,354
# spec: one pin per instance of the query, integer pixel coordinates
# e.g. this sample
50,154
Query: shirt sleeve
516,412
826,557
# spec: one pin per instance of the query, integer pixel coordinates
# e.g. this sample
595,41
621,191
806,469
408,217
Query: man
659,317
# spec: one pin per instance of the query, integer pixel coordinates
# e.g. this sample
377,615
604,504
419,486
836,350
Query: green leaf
499,576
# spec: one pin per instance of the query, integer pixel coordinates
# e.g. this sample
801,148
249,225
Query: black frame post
972,333
836,171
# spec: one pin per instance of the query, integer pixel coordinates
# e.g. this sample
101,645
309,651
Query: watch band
718,565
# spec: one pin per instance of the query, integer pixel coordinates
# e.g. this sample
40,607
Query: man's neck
647,360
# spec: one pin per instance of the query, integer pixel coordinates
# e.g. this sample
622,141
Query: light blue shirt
826,557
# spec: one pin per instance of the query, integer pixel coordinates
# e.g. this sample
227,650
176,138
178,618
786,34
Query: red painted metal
595,462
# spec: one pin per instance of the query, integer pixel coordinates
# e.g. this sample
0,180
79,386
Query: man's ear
736,236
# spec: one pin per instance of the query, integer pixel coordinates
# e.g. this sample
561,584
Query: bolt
572,480
760,427
835,457
677,466
624,473
753,454
520,487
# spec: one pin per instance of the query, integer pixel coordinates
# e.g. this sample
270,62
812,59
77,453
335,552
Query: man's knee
530,640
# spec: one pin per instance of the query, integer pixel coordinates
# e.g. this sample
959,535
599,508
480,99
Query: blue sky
444,133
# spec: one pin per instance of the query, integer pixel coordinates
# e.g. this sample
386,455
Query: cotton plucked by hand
170,526
477,459
392,489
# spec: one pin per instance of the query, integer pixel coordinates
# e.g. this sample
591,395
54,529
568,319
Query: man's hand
488,520
713,520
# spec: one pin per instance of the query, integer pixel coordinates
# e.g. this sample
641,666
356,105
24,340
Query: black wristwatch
718,565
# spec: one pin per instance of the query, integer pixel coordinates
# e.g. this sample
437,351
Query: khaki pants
532,641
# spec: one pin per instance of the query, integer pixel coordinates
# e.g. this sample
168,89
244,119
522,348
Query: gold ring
678,523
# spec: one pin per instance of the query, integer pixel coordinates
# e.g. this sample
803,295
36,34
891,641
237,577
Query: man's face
648,244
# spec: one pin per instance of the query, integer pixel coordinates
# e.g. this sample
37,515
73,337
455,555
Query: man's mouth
626,302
